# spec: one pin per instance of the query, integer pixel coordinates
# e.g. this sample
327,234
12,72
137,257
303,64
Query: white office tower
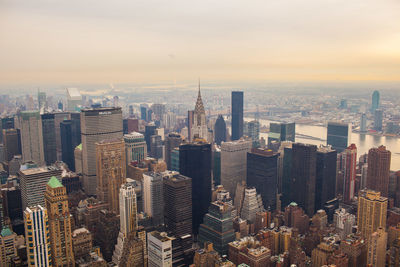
252,203
37,236
159,248
233,163
153,198
343,222
128,218
74,99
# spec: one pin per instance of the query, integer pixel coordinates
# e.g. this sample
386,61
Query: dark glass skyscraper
149,130
375,101
49,138
325,176
220,130
195,162
338,135
69,140
287,177
12,143
378,118
262,173
172,140
6,123
304,159
237,115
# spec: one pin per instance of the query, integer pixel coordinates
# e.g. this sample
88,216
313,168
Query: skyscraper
49,138
375,101
68,144
135,147
37,236
153,197
156,147
217,227
195,163
379,170
97,124
338,135
262,173
253,131
74,99
110,171
233,163
172,140
33,184
348,165
178,204
282,132
159,247
42,102
12,143
237,115
303,176
59,224
220,130
199,126
363,123
6,123
377,248
325,187
378,118
148,132
371,212
30,125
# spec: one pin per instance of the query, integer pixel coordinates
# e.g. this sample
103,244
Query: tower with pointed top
199,126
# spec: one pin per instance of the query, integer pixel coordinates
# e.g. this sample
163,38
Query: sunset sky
91,41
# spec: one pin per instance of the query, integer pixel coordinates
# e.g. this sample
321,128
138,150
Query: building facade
379,170
338,135
237,115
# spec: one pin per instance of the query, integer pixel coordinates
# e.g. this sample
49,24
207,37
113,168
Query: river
363,141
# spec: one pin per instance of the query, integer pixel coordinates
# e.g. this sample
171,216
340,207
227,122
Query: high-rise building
8,246
59,224
371,213
377,248
190,118
6,123
158,111
97,124
175,159
378,119
172,140
262,173
37,236
148,132
42,102
375,101
128,219
82,243
199,127
220,130
156,147
325,187
348,165
356,249
153,198
287,175
216,168
74,99
69,140
343,222
49,138
217,227
237,115
321,254
253,132
234,163
338,135
30,125
58,118
143,112
110,171
135,147
250,205
379,170
195,163
33,184
282,132
159,248
12,143
363,123
178,204
303,176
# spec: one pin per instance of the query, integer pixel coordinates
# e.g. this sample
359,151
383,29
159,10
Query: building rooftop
162,236
54,183
32,171
80,231
6,232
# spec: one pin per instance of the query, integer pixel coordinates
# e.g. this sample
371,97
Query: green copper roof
54,182
6,232
79,146
293,204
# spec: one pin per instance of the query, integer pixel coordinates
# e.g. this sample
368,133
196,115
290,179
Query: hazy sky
105,41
